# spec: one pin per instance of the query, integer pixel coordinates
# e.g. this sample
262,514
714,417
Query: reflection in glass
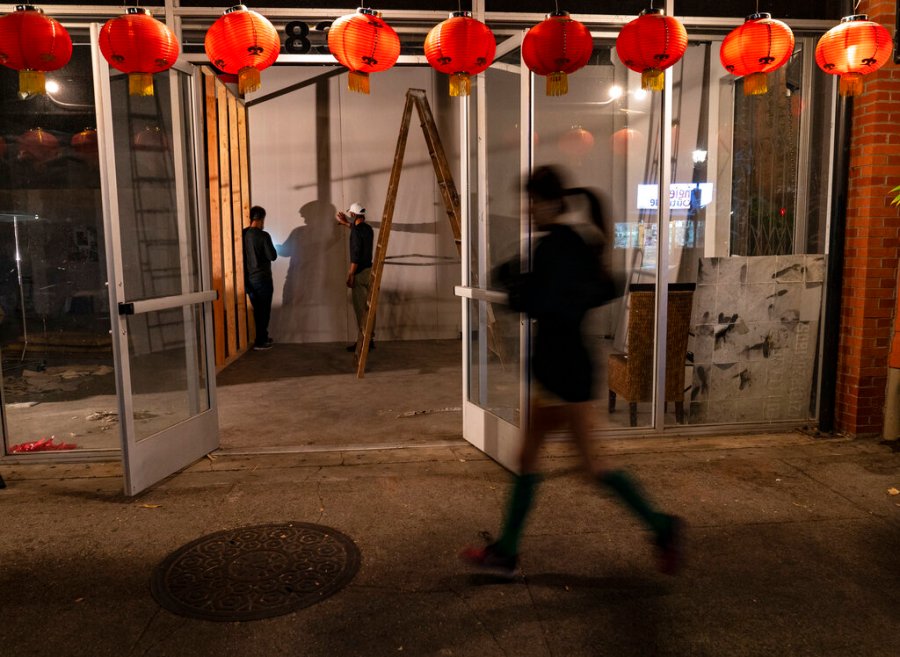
58,380
494,356
502,238
168,368
150,191
494,365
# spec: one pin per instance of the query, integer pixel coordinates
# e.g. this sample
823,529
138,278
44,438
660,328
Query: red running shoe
489,560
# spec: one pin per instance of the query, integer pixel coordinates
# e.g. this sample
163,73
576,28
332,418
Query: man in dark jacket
359,277
259,252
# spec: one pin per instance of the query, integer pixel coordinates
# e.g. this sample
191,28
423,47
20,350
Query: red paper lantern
853,49
138,44
460,47
32,44
556,47
365,44
242,43
2,148
756,48
651,43
85,142
38,145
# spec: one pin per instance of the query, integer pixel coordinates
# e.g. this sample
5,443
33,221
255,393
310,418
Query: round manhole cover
257,572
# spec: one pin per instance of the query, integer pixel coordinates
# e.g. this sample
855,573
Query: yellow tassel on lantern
653,79
140,84
248,80
31,83
460,85
755,84
557,84
358,82
851,84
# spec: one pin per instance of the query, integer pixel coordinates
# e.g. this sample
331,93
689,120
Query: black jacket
259,252
565,281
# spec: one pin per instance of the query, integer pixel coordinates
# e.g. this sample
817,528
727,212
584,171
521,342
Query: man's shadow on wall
314,293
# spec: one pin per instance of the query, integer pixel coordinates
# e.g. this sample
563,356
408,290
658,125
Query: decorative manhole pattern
256,572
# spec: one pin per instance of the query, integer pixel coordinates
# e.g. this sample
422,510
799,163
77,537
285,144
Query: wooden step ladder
417,98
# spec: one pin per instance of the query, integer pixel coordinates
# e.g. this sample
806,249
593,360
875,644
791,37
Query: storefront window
754,337
748,204
58,381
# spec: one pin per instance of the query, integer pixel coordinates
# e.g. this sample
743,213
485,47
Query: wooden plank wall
229,214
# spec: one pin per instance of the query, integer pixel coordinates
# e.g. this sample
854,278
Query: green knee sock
630,492
520,502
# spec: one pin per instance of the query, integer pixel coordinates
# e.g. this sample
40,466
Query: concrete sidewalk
793,551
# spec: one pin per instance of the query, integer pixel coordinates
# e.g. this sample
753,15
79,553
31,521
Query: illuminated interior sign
682,196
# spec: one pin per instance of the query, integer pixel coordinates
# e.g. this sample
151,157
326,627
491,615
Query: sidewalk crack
538,616
321,501
478,620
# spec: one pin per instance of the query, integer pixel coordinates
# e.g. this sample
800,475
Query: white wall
309,158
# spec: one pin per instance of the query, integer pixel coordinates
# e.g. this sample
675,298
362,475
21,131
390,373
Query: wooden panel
245,200
229,207
215,225
237,216
227,233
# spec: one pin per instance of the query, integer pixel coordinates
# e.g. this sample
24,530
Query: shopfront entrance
719,326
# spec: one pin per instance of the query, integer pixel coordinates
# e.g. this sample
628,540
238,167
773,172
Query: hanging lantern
85,142
756,48
32,44
556,47
650,44
853,49
242,43
138,44
460,47
2,148
365,44
38,145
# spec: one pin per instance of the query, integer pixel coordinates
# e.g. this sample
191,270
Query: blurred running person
566,280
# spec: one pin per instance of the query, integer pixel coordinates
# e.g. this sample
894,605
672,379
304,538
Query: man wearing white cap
359,278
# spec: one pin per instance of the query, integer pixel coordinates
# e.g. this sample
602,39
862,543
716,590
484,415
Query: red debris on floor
42,445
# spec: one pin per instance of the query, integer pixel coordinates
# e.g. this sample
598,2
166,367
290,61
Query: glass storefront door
495,390
159,285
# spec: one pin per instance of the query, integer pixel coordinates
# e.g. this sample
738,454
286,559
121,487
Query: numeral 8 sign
296,42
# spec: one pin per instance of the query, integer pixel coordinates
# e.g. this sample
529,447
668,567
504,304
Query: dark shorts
568,376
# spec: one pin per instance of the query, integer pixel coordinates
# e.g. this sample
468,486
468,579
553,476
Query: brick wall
870,323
